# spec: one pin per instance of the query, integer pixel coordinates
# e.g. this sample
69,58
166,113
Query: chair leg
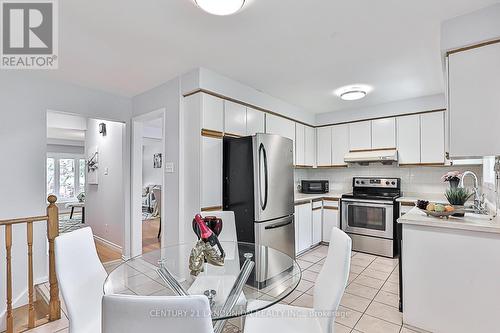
159,230
72,211
83,214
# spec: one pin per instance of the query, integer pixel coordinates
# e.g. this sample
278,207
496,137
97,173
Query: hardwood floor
150,241
106,253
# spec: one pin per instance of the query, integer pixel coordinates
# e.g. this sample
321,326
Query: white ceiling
299,51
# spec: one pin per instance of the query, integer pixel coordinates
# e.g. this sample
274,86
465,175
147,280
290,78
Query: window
65,176
51,184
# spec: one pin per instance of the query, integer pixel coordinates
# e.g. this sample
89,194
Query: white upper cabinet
384,133
474,101
324,146
360,135
281,126
340,143
212,114
300,144
255,121
235,118
409,139
310,146
432,137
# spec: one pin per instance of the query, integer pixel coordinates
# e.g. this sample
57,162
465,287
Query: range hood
384,156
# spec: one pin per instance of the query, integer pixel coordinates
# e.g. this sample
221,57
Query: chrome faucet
478,198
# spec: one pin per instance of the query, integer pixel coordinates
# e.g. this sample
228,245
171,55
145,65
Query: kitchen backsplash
415,179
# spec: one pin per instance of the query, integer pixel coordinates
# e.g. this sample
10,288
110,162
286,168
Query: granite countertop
470,222
307,197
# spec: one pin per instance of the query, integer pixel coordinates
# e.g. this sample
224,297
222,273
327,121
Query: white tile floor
369,304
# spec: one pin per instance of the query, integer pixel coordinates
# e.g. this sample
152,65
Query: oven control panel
376,182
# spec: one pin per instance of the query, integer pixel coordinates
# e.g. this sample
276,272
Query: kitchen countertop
471,222
306,197
413,197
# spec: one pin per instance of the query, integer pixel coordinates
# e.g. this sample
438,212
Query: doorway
147,181
84,169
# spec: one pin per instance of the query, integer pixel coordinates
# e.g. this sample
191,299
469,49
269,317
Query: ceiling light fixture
220,7
353,92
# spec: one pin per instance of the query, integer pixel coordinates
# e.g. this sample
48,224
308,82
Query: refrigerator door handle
278,225
263,159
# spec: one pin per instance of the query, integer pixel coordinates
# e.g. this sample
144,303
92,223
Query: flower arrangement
451,176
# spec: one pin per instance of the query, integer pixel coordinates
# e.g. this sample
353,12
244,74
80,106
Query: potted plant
457,196
453,177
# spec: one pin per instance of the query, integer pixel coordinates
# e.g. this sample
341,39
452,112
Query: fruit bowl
438,214
436,210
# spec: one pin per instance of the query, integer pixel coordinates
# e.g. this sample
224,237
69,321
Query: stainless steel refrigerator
258,187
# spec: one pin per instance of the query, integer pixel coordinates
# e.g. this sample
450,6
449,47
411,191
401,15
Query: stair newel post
8,247
31,307
52,233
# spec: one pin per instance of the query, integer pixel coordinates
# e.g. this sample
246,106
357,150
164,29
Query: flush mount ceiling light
353,92
220,7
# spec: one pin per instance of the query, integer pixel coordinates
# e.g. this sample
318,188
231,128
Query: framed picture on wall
157,160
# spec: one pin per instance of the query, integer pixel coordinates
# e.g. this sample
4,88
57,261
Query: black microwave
314,186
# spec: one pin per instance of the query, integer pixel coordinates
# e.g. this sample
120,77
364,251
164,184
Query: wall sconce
102,129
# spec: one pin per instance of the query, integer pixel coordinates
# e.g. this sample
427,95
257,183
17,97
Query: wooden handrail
52,219
24,220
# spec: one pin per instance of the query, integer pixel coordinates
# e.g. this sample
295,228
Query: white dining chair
221,279
228,233
81,277
328,290
176,314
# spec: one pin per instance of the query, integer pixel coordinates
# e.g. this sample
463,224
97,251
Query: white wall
25,98
418,179
472,28
167,96
425,103
150,175
104,204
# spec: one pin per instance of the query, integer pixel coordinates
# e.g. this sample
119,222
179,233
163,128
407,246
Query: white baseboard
107,243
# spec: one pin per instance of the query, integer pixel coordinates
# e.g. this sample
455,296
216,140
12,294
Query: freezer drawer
277,234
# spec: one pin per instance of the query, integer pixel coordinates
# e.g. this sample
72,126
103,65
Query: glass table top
250,273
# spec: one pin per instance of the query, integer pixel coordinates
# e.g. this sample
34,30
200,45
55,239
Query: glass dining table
252,278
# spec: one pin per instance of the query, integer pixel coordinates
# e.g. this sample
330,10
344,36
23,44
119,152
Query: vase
454,183
460,209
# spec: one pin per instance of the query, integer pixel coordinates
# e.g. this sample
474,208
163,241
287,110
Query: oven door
367,217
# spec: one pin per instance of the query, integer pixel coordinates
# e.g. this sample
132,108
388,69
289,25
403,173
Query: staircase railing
52,219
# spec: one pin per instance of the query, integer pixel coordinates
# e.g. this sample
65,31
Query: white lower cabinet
317,227
304,228
330,220
211,178
296,226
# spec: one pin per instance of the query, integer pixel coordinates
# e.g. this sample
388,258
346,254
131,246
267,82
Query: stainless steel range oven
368,215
